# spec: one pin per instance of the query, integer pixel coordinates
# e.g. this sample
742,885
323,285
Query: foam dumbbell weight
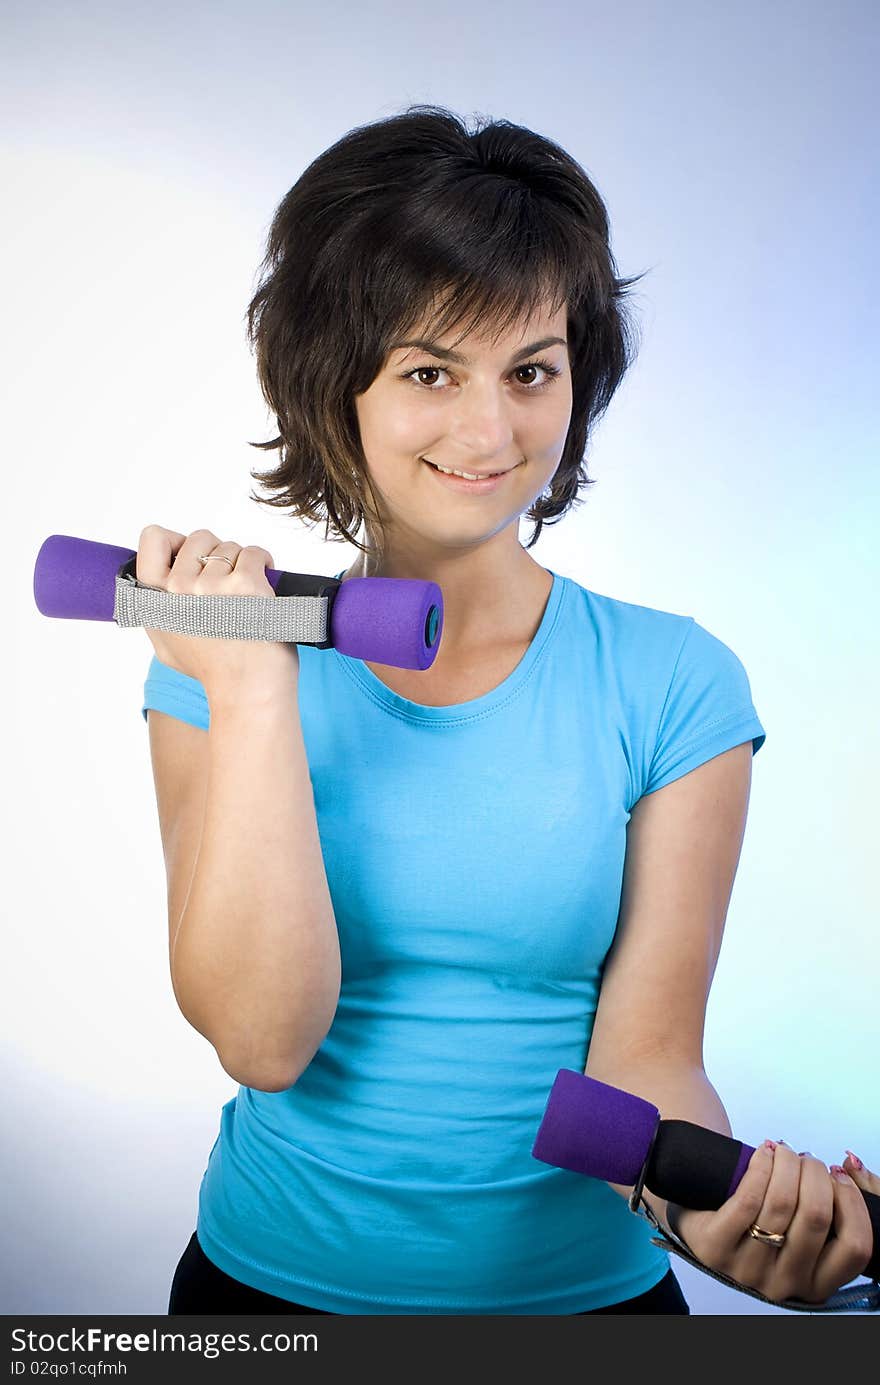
390,620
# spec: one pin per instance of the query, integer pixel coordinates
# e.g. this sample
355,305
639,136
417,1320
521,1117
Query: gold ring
769,1238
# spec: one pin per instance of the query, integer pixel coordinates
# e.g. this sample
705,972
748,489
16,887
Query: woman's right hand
169,561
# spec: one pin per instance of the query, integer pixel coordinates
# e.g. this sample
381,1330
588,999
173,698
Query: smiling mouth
471,476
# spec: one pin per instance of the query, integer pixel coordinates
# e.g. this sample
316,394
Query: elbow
633,1070
264,1076
263,1082
259,1079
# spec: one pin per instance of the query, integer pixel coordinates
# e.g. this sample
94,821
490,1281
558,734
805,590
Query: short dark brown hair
417,215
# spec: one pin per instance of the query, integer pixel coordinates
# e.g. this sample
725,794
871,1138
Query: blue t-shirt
475,857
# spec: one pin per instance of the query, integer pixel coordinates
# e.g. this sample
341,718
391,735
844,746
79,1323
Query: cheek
386,413
408,413
547,423
404,430
557,433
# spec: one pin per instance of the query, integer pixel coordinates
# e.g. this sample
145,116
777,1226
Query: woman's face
495,409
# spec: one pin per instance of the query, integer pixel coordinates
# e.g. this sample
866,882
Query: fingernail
840,1174
857,1163
783,1142
806,1151
769,1144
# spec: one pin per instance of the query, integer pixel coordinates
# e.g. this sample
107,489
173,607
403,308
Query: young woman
400,901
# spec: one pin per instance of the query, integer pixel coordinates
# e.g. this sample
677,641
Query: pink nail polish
840,1174
857,1163
770,1144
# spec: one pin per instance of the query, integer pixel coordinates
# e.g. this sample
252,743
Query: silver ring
214,557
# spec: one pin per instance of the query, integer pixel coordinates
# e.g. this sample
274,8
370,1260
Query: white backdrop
143,155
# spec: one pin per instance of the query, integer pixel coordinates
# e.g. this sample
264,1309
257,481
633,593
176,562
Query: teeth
449,471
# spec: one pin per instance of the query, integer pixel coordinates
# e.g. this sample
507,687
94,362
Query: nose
481,424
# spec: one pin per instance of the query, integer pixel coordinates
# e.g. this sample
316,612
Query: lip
485,485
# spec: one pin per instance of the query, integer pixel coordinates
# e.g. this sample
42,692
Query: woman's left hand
828,1235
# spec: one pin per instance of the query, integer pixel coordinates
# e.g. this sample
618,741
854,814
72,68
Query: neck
488,597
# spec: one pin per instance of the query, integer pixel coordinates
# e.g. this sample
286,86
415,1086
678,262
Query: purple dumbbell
605,1132
390,620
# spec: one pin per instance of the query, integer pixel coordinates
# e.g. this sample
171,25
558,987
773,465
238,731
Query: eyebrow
433,349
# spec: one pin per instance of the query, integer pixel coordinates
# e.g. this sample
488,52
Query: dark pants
200,1286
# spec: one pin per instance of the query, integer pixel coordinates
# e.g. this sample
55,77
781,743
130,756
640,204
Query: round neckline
476,706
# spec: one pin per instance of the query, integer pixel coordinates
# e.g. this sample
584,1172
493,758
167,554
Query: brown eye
549,370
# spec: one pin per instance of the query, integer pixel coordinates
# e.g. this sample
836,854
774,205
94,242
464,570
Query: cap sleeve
708,709
168,690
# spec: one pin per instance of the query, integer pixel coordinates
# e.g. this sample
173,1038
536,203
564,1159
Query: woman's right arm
255,961
253,945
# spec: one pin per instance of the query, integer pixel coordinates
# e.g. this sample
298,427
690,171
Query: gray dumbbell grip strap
295,619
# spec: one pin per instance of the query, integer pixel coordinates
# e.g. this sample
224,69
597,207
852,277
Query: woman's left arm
680,1093
683,848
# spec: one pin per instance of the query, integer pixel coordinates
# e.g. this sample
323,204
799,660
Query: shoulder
677,692
655,639
628,634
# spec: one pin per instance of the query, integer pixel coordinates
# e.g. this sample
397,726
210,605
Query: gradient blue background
144,151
